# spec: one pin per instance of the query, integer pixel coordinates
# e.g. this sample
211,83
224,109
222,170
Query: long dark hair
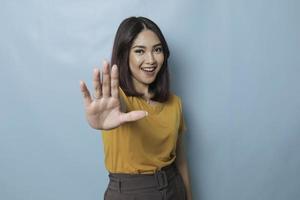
126,33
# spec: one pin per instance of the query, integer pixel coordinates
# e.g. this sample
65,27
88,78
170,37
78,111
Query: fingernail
80,82
146,113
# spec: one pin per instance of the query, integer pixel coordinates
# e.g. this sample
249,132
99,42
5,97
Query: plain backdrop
235,64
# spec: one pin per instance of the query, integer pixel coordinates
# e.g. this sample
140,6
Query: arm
182,166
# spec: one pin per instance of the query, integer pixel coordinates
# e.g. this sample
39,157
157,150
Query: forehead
146,38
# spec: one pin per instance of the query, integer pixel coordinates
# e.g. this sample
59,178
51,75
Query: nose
150,59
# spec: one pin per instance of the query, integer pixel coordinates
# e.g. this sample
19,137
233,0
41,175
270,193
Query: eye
158,49
139,51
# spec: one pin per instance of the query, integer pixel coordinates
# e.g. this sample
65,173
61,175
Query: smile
148,69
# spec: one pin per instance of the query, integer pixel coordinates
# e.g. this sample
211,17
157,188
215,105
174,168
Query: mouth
148,69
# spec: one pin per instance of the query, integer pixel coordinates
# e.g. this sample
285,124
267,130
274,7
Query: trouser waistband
130,182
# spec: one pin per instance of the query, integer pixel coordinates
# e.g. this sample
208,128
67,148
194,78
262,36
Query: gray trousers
166,184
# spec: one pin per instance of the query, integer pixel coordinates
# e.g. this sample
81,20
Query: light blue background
235,64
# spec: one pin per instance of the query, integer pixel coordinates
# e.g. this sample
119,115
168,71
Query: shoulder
175,100
174,97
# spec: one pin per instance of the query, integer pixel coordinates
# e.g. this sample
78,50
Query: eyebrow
143,47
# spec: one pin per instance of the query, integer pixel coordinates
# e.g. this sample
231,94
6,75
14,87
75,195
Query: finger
114,82
86,94
106,80
133,116
97,83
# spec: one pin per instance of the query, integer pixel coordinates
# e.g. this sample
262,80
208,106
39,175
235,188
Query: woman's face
145,57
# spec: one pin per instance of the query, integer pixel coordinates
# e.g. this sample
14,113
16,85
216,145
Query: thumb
133,116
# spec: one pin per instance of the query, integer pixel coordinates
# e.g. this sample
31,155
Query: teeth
148,69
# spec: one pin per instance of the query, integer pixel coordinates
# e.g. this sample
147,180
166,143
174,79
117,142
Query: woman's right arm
103,112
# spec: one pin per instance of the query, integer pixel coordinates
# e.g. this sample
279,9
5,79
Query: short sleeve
182,126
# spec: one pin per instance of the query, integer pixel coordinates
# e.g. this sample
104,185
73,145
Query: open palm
103,112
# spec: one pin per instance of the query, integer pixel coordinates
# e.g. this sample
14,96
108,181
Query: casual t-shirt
146,145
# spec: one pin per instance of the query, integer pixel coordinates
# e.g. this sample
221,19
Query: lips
148,69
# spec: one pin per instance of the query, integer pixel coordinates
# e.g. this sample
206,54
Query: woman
140,119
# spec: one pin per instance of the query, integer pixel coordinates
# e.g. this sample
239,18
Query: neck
142,88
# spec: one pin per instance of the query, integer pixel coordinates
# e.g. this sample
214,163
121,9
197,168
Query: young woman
141,120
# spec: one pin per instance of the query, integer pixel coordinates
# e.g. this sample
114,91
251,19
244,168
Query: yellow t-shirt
146,145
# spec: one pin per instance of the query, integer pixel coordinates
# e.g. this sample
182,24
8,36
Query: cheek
135,61
160,59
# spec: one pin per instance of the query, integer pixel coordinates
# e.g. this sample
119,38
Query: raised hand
103,112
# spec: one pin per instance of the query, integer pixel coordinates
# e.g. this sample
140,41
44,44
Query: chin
149,81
